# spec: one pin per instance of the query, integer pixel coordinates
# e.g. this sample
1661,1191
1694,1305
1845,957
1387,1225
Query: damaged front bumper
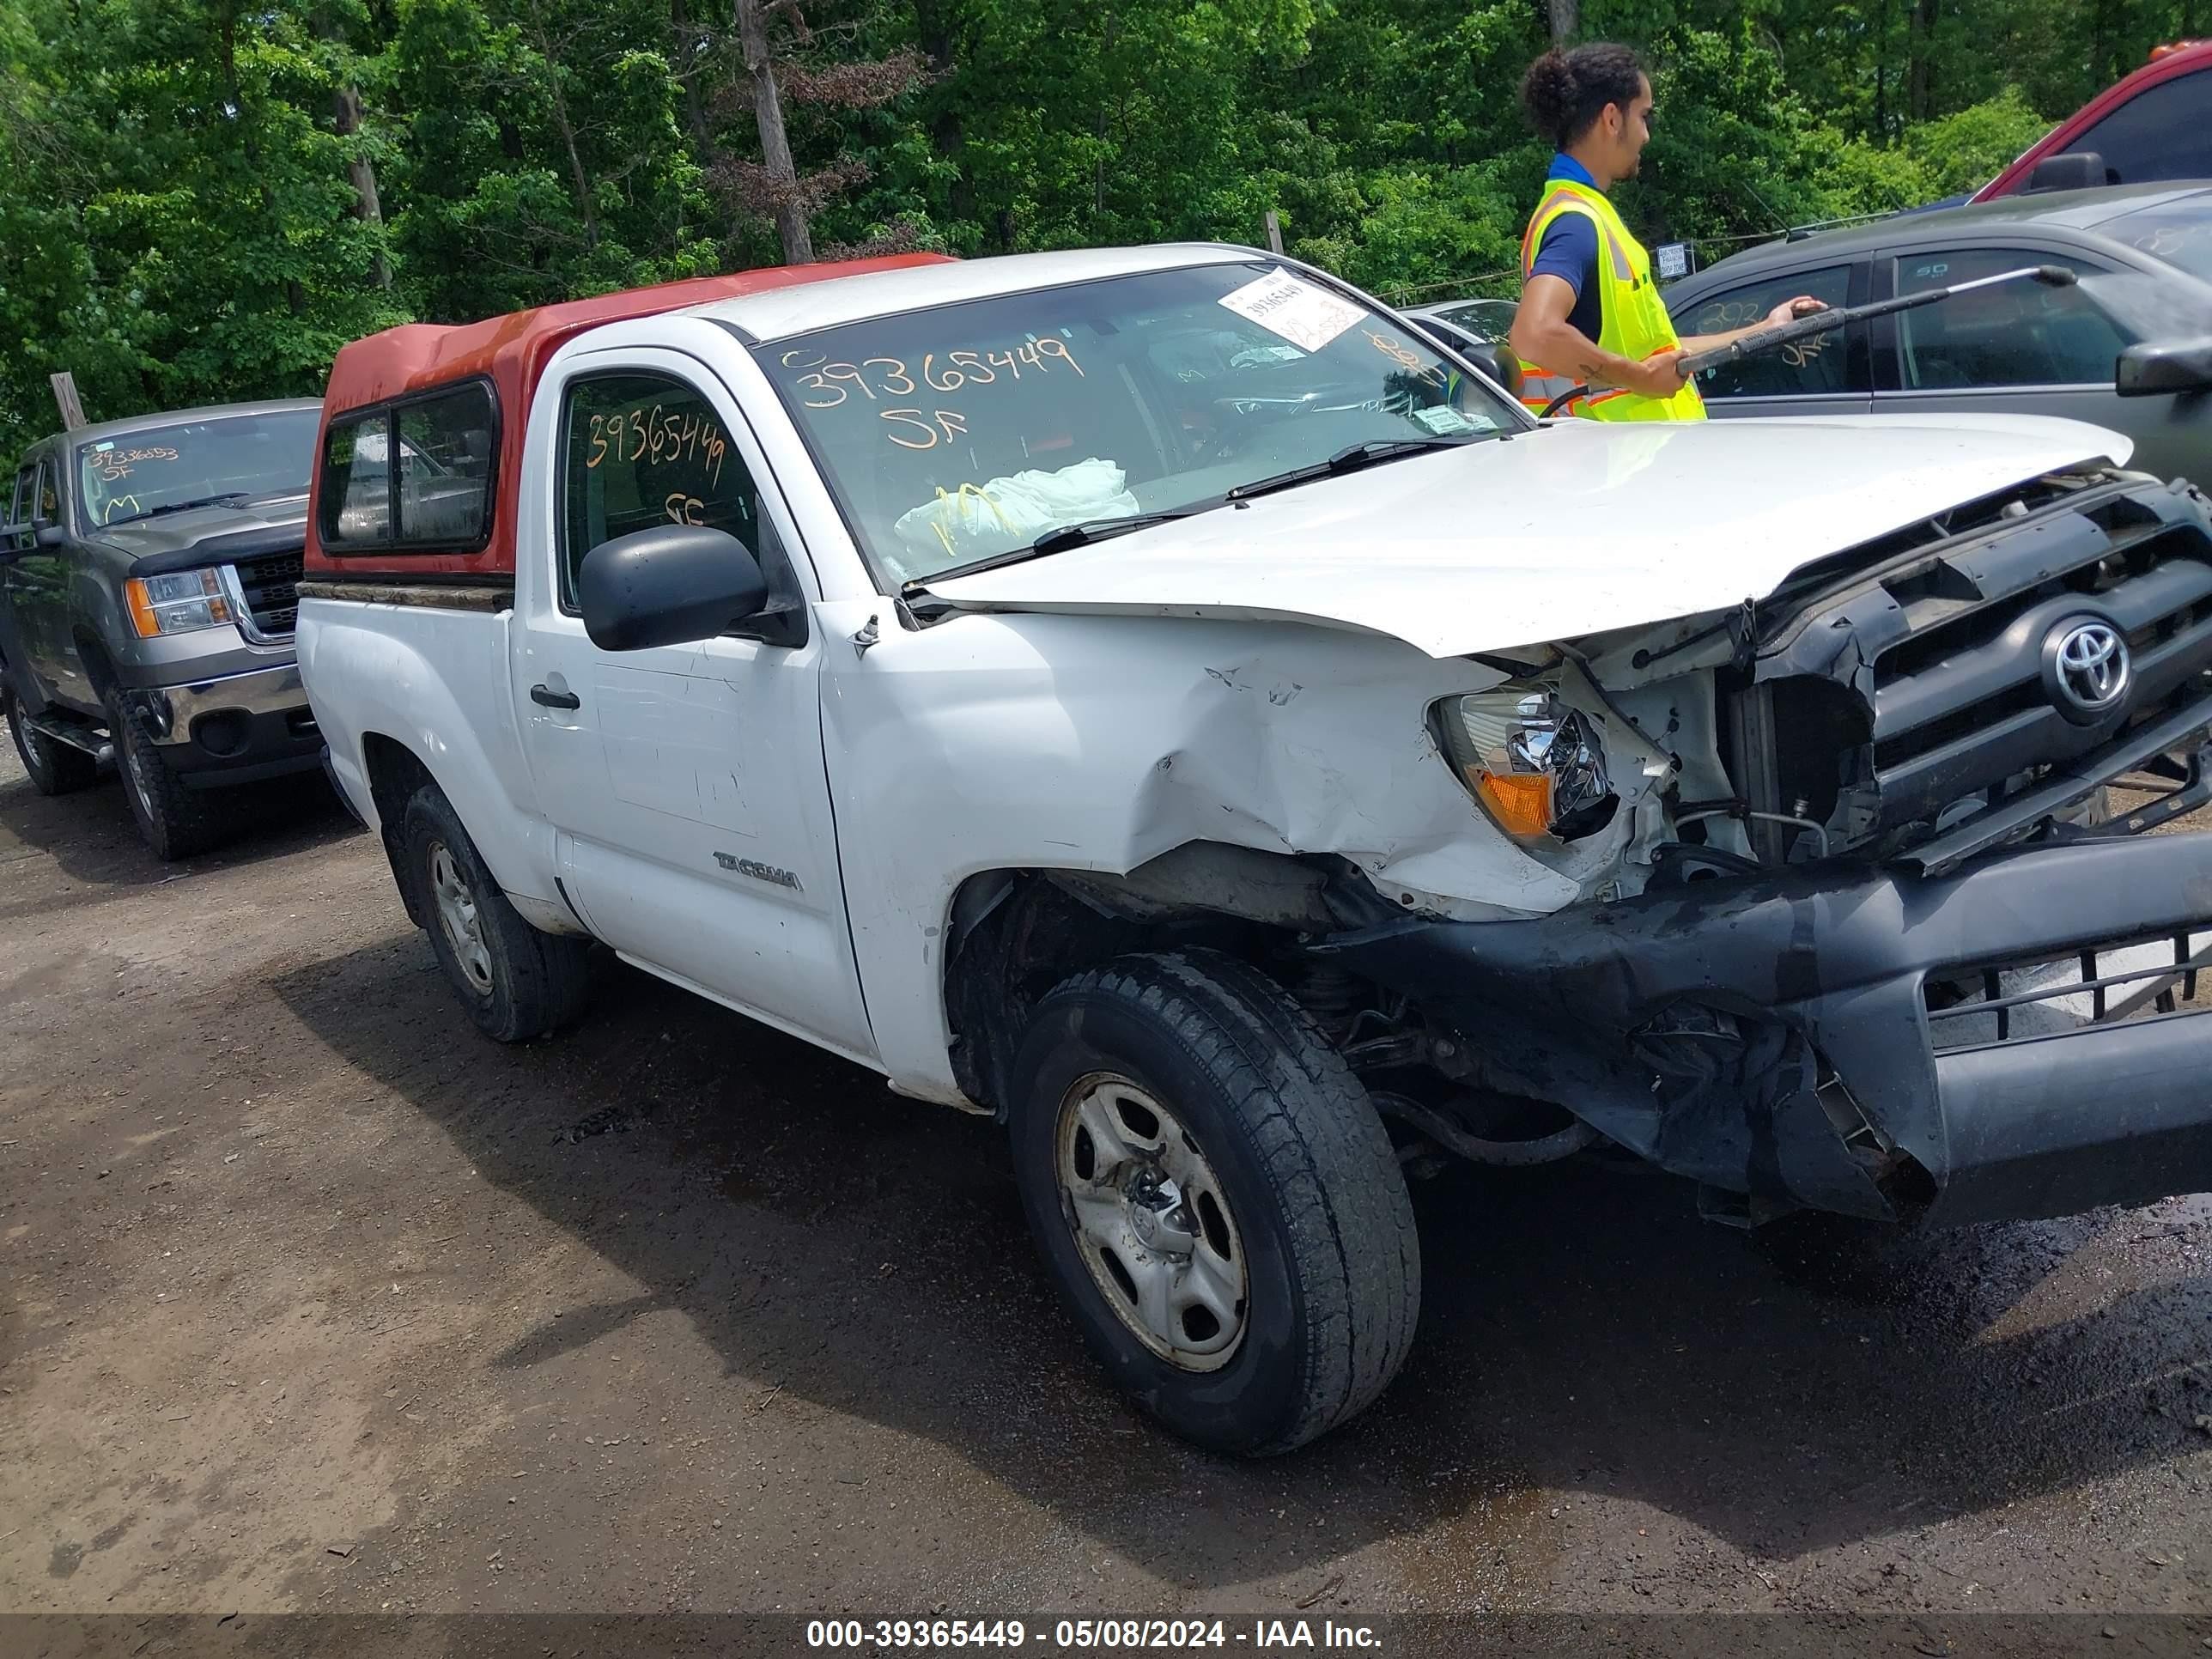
2021,1039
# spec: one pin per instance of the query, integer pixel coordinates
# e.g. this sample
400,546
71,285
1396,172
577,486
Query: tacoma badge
759,871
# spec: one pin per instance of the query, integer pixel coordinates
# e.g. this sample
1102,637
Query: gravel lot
315,1300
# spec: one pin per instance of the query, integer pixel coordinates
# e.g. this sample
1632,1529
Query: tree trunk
1921,29
345,121
705,150
944,129
775,143
1882,75
581,180
346,116
1566,18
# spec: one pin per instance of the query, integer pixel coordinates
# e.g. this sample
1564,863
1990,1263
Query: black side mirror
49,534
1498,363
669,585
2145,371
2078,169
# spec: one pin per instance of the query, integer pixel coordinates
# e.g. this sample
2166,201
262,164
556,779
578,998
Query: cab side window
640,450
356,487
18,512
1809,368
445,442
445,468
2017,333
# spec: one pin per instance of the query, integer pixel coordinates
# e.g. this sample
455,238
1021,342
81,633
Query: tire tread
1312,1127
66,770
547,978
183,821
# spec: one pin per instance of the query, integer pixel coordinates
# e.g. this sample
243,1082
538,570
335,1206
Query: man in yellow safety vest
1589,309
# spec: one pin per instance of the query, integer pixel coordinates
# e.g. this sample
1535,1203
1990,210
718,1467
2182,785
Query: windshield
1490,321
952,434
254,455
2180,232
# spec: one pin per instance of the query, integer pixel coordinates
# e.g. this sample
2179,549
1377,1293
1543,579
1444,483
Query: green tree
201,200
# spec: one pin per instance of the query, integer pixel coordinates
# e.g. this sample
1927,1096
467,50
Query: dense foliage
200,200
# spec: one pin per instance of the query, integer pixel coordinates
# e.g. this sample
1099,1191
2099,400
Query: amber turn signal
1521,802
176,603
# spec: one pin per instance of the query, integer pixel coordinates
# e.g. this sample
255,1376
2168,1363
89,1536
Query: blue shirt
1568,251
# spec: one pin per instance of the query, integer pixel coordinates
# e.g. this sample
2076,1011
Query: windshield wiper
1348,460
1059,539
223,500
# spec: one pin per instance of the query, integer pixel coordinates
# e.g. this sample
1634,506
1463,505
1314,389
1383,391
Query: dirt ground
317,1301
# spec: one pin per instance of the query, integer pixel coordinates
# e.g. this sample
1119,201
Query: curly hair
1564,92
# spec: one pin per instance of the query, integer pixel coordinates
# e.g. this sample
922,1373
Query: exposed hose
1576,1137
1563,400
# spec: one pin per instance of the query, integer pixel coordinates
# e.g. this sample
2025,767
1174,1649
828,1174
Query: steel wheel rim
27,742
1151,1218
459,918
134,768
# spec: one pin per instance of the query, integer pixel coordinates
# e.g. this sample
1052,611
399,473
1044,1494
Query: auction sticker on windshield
1285,304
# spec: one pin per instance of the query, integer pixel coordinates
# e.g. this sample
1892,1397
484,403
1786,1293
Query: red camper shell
453,402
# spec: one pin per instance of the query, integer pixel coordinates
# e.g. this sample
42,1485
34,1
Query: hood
1576,529
210,535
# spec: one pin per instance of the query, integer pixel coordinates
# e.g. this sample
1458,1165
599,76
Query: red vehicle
2149,127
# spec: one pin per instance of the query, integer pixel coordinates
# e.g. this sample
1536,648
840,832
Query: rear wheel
516,982
1218,1198
55,768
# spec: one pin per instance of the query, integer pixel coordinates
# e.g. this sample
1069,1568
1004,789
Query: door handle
553,699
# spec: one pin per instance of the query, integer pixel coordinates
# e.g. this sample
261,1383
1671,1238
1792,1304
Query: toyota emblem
2086,663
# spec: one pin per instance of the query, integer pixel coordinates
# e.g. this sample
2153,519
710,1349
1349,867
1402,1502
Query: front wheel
174,821
1218,1198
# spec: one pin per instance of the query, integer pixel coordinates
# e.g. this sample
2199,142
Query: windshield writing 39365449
826,383
959,435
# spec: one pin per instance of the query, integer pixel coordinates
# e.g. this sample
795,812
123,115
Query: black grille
271,587
1934,693
1960,701
2108,983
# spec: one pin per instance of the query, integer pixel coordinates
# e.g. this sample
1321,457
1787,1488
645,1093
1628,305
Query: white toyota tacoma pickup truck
1158,698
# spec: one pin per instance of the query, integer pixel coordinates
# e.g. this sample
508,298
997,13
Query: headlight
177,603
1537,767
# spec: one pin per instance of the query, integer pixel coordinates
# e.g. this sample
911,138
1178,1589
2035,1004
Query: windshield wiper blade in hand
223,500
1348,460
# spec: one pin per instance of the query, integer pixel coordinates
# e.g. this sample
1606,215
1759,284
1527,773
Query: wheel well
1013,934
98,667
395,772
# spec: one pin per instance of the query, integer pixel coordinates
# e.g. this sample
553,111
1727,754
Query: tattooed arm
1542,337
